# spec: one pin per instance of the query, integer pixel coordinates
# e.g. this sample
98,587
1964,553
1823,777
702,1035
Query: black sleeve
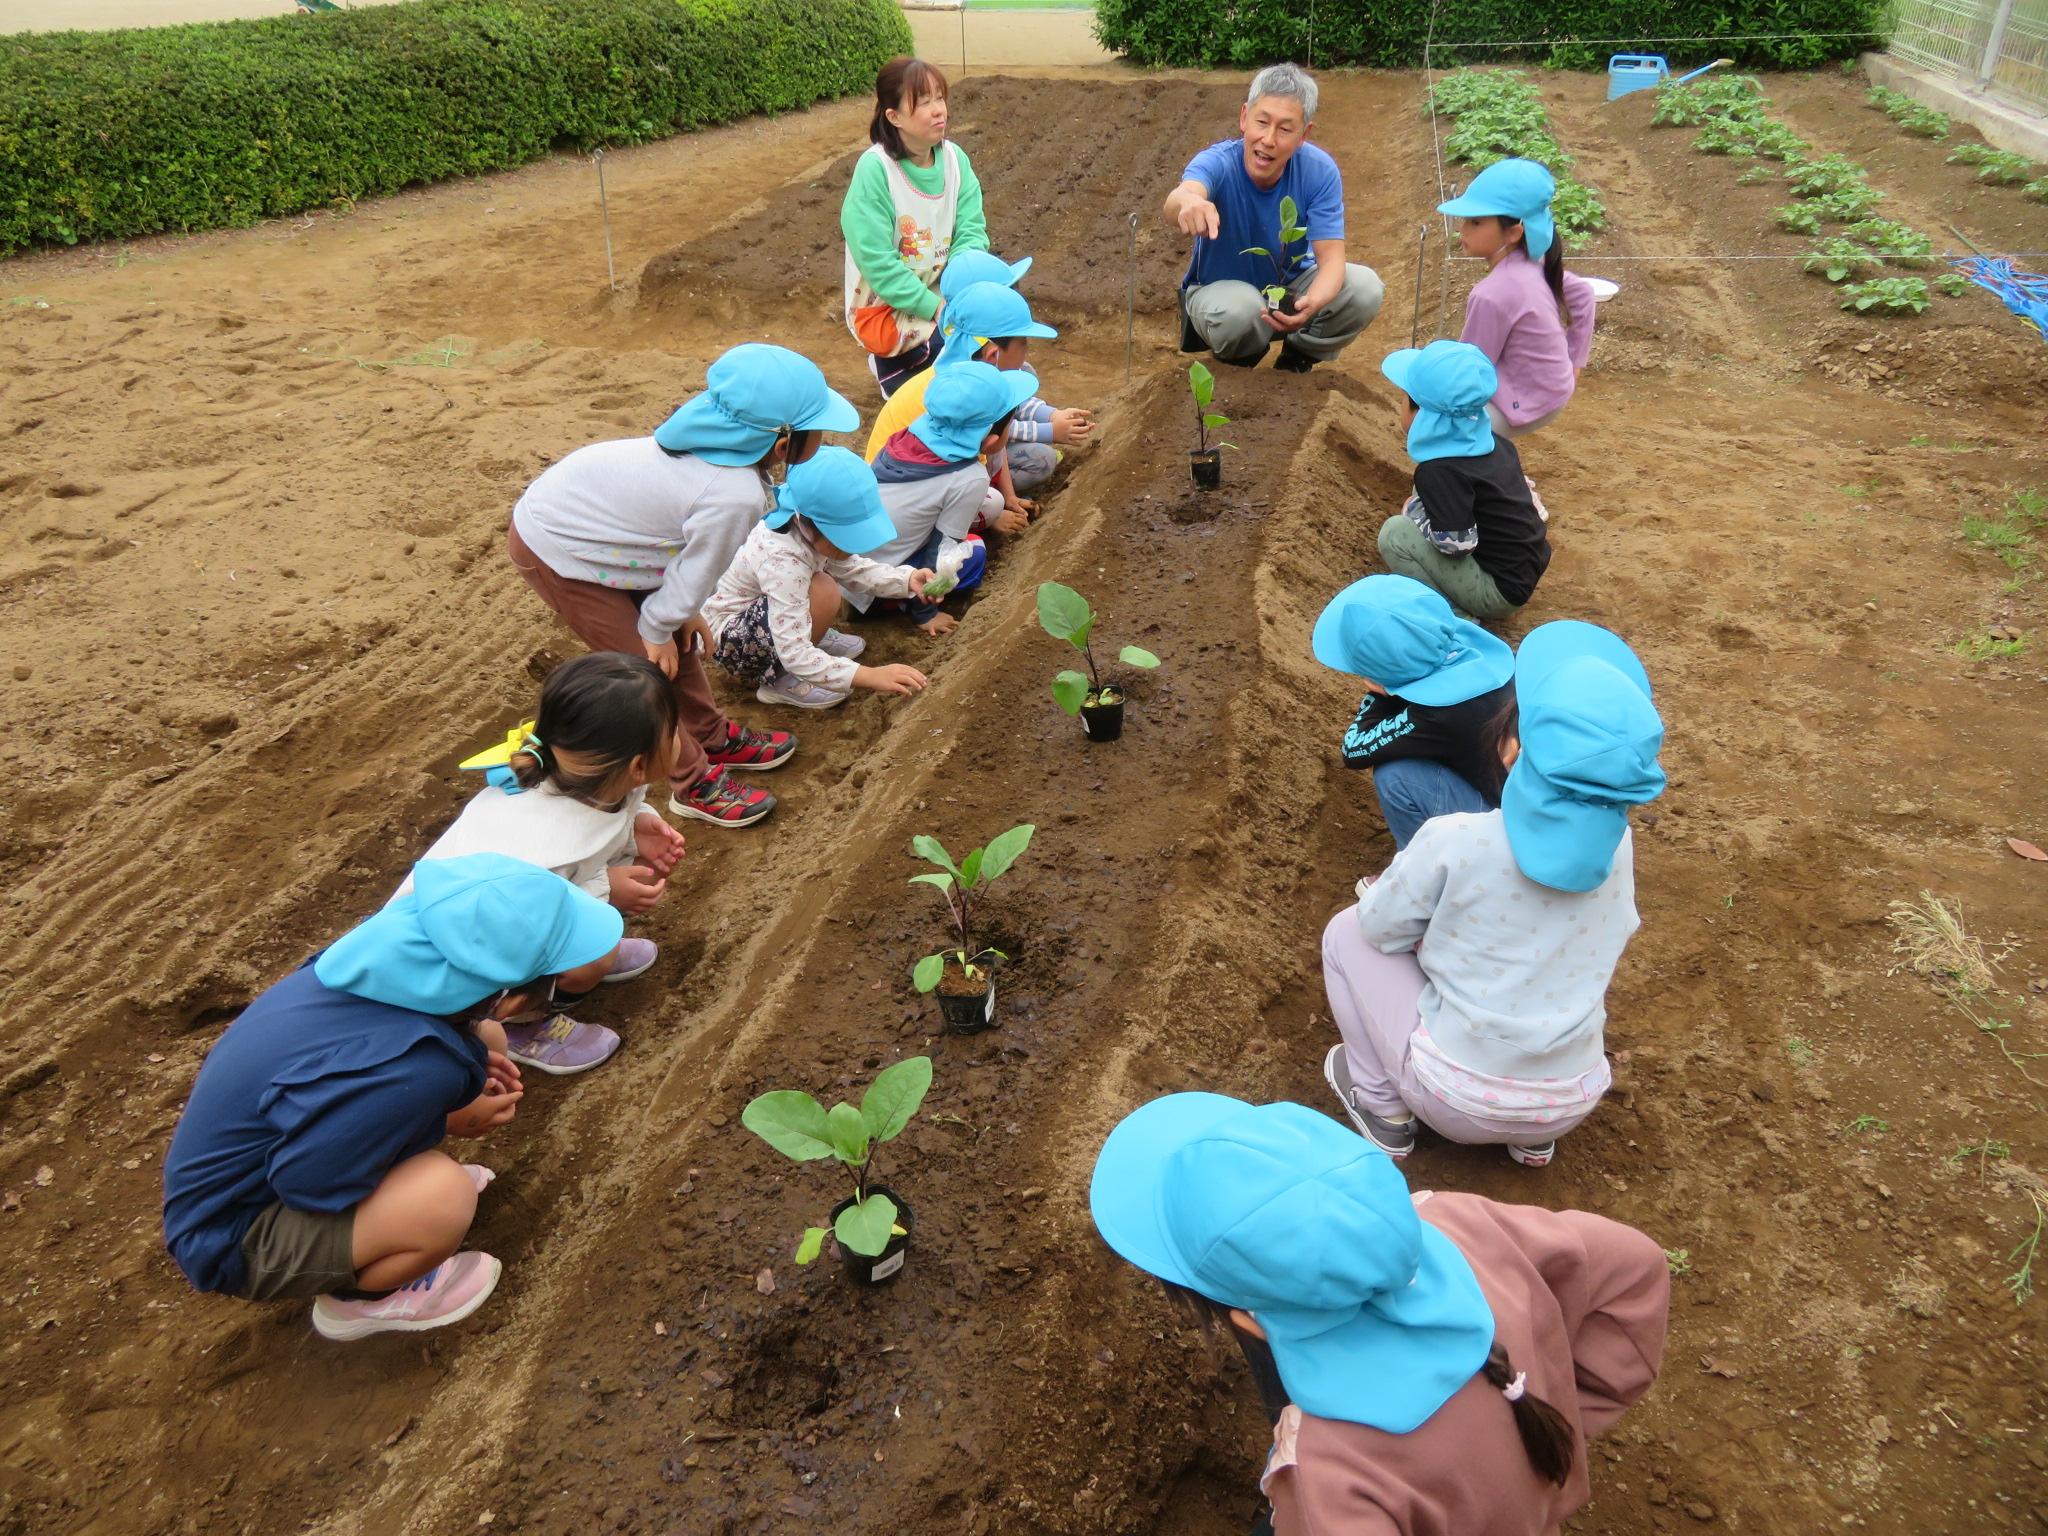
1381,722
1449,500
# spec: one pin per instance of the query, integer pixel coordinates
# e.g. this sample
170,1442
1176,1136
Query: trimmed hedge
106,134
1392,33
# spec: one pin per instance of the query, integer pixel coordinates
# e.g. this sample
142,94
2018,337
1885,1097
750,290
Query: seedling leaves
793,1123
1203,383
864,1227
1003,850
931,850
849,1134
1069,689
940,882
1212,420
892,1098
812,1244
1137,656
927,972
1064,613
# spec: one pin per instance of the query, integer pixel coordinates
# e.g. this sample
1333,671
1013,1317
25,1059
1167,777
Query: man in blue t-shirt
1229,199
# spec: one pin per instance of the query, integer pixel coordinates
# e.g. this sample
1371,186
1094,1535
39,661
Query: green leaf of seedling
1137,656
864,1228
1290,221
1068,690
849,1134
1231,446
1003,851
793,1123
1255,250
970,867
930,850
1063,612
892,1098
1203,383
1211,421
812,1245
925,975
939,882
1079,639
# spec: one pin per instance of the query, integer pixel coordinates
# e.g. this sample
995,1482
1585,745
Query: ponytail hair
1546,1437
598,713
1504,726
1553,274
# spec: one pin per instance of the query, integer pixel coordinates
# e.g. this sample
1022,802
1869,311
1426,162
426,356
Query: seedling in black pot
1064,614
1205,460
872,1226
964,976
1276,294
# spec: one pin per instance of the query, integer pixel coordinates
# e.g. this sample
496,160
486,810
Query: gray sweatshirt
1517,972
625,514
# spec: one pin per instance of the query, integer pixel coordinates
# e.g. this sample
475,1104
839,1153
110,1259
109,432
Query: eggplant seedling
1205,461
1064,614
968,1003
872,1226
1290,231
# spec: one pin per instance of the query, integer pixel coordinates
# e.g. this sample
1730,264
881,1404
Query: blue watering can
1628,72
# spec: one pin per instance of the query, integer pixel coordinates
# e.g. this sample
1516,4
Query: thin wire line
1594,260
1443,286
1723,37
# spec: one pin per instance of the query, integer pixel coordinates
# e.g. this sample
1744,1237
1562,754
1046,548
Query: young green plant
799,1127
1064,614
1202,384
962,885
1290,231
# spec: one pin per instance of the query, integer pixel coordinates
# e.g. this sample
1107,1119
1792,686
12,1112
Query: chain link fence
1999,47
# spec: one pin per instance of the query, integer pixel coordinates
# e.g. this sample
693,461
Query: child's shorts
745,647
288,1253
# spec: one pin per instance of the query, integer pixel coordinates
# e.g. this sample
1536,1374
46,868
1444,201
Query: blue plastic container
1628,72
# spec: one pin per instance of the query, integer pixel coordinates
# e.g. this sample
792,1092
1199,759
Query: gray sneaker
781,687
845,647
1396,1138
561,1046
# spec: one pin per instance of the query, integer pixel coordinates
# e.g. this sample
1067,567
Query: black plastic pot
1103,720
887,1264
970,1013
1206,465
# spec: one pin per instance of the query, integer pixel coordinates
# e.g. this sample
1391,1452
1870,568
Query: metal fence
1999,47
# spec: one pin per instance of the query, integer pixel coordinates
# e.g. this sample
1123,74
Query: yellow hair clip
496,762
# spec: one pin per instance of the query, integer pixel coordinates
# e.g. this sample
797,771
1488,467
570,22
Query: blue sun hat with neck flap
981,313
1512,189
963,402
966,268
470,927
836,491
1403,636
1450,383
752,395
1590,737
1374,1317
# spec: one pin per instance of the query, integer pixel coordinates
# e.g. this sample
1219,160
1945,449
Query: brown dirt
249,524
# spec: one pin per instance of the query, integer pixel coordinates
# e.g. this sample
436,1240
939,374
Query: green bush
111,134
1211,33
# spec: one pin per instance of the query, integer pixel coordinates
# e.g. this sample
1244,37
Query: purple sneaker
634,956
561,1046
445,1294
844,646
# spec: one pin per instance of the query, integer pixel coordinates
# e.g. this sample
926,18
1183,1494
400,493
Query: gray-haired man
1229,199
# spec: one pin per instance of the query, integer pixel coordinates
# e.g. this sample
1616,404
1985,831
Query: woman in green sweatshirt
912,202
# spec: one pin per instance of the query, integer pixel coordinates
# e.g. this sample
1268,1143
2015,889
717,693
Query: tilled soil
252,591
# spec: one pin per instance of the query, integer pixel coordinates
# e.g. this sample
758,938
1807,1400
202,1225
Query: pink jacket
1579,1301
1512,318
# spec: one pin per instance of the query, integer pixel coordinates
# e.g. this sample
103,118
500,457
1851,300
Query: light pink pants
1373,998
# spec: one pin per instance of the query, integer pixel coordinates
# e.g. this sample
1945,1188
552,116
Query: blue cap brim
1398,365
837,414
871,532
1488,663
1130,1172
1559,841
1466,206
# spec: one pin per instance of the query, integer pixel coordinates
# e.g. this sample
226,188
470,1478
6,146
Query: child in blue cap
1472,529
304,1163
986,321
1439,1360
771,615
1529,315
1469,983
625,540
935,484
1439,692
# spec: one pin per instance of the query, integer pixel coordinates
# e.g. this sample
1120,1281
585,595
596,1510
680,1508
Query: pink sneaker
634,956
561,1046
445,1294
479,1175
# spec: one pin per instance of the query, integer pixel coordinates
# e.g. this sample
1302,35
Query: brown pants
606,619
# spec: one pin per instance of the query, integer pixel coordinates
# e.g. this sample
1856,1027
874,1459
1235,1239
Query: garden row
1497,115
2001,167
112,134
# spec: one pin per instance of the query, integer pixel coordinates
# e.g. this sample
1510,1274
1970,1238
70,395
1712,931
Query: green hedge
1392,33
106,134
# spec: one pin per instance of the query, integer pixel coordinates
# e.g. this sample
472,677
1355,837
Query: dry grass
1936,945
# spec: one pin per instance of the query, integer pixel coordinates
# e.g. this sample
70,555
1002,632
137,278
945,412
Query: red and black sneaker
752,750
723,801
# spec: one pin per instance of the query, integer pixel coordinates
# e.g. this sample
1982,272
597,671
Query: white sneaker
786,688
845,647
445,1294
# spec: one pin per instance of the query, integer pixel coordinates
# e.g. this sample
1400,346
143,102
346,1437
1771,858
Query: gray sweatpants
1231,316
1031,465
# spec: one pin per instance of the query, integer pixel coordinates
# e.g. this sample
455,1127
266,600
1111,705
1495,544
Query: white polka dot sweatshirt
1517,972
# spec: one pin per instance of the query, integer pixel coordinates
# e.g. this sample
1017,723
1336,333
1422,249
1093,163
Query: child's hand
1012,519
939,624
635,888
1071,425
485,1113
916,584
660,844
502,1071
895,678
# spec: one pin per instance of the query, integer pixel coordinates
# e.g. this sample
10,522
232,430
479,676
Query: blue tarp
2024,293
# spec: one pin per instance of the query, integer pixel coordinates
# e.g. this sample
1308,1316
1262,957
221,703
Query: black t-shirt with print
1388,729
1486,494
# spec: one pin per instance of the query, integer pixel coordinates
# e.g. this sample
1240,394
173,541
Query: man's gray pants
1231,316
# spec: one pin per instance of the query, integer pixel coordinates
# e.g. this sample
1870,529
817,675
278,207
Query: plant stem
1089,655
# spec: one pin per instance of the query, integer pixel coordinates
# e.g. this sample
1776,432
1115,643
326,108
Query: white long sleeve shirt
777,565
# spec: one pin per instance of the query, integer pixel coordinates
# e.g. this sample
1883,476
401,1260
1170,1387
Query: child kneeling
771,614
1469,983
